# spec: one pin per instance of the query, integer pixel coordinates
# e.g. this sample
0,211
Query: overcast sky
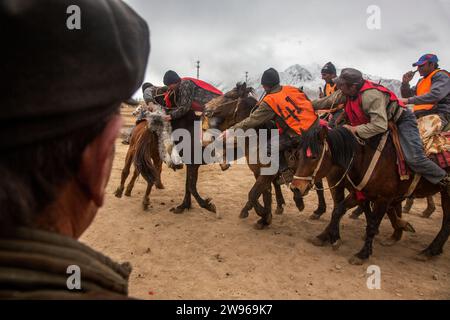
230,37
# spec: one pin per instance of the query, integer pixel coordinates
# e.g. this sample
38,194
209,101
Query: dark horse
225,111
187,122
385,189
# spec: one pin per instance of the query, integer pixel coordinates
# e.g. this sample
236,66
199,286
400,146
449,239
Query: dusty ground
196,256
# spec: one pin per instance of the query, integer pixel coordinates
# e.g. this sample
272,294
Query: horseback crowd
61,117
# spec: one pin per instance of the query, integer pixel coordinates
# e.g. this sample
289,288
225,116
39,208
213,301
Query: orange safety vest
329,89
424,87
293,107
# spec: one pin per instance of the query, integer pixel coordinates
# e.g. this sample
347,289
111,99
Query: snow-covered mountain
308,77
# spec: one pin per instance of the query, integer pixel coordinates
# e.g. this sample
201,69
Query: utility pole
198,69
246,76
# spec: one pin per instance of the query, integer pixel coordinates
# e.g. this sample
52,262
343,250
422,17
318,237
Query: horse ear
323,133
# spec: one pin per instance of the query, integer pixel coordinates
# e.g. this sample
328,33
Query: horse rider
328,73
291,110
57,149
190,93
369,107
431,95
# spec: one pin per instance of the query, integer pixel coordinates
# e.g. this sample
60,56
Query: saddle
436,144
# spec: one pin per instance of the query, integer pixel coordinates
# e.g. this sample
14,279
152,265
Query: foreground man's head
62,85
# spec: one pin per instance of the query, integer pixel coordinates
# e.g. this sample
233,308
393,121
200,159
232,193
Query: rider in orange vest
291,110
431,95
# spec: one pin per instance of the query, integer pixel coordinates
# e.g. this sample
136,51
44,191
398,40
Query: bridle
235,109
312,178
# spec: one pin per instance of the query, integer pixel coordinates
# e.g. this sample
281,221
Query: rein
319,165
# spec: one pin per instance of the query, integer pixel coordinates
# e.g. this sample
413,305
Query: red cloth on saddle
353,107
204,85
199,83
442,159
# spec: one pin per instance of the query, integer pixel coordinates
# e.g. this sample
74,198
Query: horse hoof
218,215
243,214
160,186
209,205
320,211
388,242
314,217
178,210
409,228
279,210
318,242
356,261
260,225
337,244
426,255
118,193
128,194
427,213
422,257
145,206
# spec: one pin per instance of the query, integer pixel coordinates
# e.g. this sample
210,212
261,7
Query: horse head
225,111
312,159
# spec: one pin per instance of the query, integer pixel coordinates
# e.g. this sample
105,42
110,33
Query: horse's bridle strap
319,165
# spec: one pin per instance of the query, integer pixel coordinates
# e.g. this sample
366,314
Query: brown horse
225,111
385,189
145,143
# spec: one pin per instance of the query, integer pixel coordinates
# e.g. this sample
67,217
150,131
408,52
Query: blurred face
267,89
328,77
173,86
426,69
349,90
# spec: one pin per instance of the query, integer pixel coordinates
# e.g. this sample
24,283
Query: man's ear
96,161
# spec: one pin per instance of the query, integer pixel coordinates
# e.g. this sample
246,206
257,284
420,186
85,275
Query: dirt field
197,256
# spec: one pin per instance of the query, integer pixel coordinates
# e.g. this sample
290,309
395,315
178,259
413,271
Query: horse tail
143,160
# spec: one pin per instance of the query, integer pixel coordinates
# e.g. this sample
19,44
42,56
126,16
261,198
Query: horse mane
341,141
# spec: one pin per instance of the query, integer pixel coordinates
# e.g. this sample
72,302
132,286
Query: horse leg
193,177
132,181
266,220
280,199
357,212
408,204
331,234
125,173
436,247
298,199
187,201
262,186
431,207
248,206
146,199
322,206
395,216
373,223
157,163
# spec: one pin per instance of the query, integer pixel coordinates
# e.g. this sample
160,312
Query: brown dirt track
197,256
